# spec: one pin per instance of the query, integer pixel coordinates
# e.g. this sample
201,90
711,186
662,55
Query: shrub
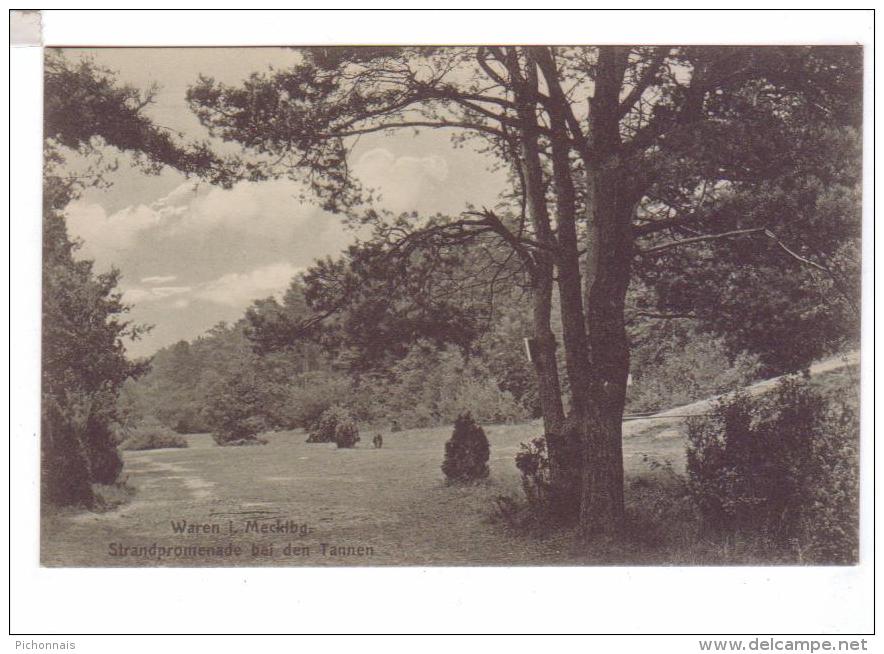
110,496
65,472
548,503
152,437
479,395
190,420
467,452
832,526
79,448
324,428
346,433
784,466
241,431
105,462
532,462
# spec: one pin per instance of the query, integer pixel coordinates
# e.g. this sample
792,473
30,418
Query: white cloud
167,291
404,183
103,234
381,164
232,289
251,212
144,295
180,195
239,289
159,279
266,209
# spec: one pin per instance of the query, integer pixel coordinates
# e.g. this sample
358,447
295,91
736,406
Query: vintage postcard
485,305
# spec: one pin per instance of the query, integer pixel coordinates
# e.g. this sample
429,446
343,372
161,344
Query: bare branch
836,280
699,239
794,254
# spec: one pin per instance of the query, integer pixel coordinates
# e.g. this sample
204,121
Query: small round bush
346,434
466,454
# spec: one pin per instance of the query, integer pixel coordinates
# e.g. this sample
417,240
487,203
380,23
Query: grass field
392,500
377,507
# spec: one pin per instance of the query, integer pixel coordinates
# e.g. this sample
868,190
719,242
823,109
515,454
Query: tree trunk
571,300
545,366
561,457
596,352
564,499
608,272
608,263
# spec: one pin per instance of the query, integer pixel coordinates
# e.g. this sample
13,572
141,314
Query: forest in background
391,369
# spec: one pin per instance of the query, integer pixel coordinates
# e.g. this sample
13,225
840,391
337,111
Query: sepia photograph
496,305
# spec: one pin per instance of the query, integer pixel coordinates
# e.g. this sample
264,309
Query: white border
366,26
479,600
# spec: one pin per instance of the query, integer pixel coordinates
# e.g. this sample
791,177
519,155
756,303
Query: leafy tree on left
83,358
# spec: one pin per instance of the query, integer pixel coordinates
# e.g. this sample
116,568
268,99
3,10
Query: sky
192,255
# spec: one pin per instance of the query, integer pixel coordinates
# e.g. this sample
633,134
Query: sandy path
676,415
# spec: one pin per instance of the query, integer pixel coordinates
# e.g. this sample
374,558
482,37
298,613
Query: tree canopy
621,158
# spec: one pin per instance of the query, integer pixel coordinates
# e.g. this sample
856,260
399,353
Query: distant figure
377,441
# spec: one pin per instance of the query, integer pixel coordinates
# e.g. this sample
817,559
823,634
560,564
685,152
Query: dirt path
676,415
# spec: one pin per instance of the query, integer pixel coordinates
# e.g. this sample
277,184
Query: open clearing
392,502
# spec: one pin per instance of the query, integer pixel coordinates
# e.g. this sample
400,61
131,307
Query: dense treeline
184,379
190,386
